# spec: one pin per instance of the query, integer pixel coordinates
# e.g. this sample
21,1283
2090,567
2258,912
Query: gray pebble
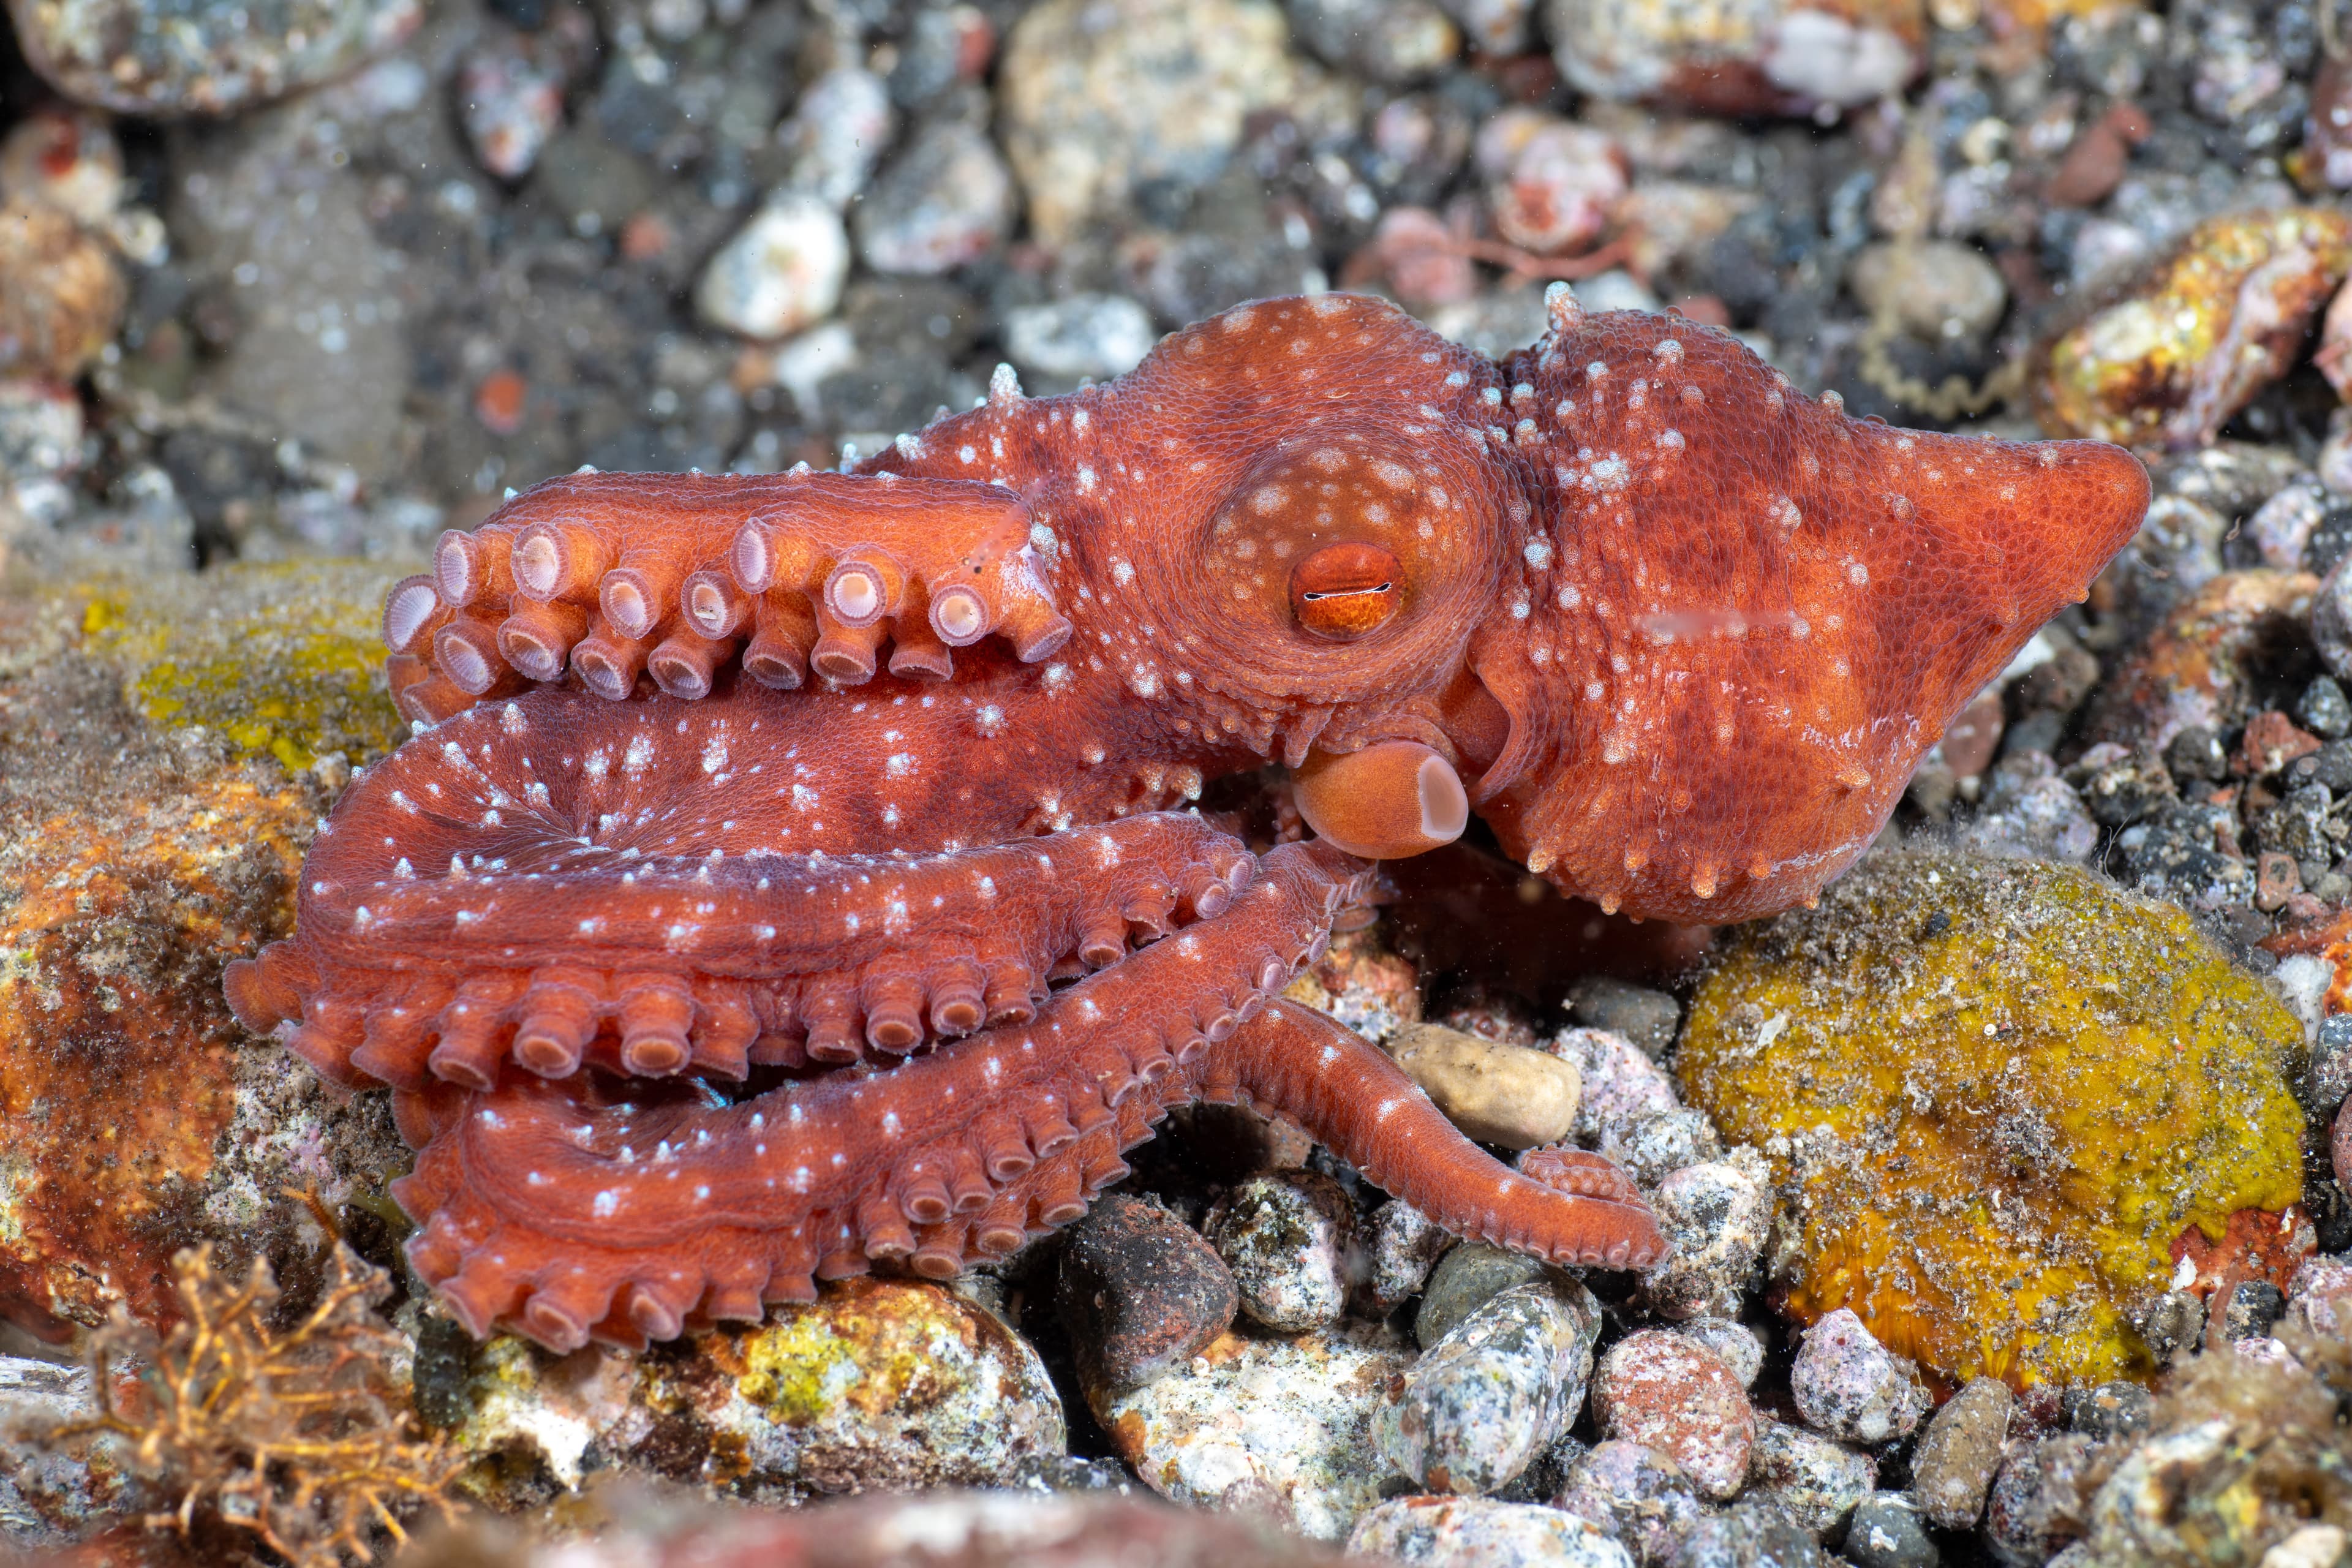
1936,290
1852,1387
1638,1496
2324,709
1287,1236
2037,1502
1650,1019
1959,1451
1749,1535
1813,1480
2329,1078
1087,335
1886,1531
1741,1347
1717,1214
2108,1409
2331,620
1630,1110
1464,1281
1405,1245
945,201
1496,1391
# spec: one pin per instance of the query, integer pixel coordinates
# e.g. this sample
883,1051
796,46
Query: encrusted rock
1813,1480
1886,1531
1289,1238
1455,1532
1404,1246
1638,1495
1495,1391
1661,1391
1850,1387
1717,1214
2037,1501
192,57
1141,1291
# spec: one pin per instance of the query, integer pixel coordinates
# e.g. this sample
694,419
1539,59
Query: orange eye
1343,590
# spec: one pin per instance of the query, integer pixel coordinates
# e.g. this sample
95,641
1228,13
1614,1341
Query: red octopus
923,736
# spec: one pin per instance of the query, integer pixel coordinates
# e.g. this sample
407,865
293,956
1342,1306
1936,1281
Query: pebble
1405,1245
946,200
1748,1535
166,57
1640,1497
1082,337
838,130
1954,1464
61,293
1847,1384
1936,290
41,447
511,91
1661,1390
1387,40
1465,1279
1478,1532
1289,1238
2121,785
1886,1531
2108,1410
782,272
1510,1095
1281,1427
1630,1110
1140,1291
1494,1392
1813,1480
1645,1018
2319,1296
2028,812
2313,1546
2282,526
1717,1213
1554,186
1741,1347
2324,709
2254,1308
2036,1503
1773,57
1097,98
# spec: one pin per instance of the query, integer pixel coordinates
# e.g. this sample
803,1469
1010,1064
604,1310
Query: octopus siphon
795,873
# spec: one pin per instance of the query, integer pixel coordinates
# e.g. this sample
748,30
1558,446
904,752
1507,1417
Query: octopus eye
1343,590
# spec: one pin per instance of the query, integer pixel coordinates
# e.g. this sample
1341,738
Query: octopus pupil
1318,596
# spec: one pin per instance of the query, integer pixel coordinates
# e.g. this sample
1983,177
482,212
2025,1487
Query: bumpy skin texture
1681,633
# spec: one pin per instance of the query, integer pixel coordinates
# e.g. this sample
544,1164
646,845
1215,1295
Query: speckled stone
2038,1498
945,200
1658,1389
1813,1480
1477,1532
1084,337
1755,57
1404,1246
1717,1213
1747,1535
1635,1494
1495,1391
1956,1456
1740,1346
1140,1291
1630,1110
1281,1427
1886,1531
1852,1387
1289,1238
162,58
1464,1279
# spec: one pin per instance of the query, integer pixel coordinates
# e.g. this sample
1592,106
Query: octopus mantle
790,872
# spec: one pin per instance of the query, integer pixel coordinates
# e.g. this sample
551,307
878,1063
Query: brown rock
1959,1451
1142,1292
2272,741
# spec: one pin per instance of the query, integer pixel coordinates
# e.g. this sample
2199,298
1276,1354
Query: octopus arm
550,1209
607,577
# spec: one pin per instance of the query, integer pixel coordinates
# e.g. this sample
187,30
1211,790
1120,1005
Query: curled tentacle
565,1212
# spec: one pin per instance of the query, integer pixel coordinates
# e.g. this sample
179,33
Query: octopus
793,875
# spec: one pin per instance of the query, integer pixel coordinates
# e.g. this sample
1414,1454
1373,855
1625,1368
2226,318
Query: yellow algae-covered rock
136,859
880,1384
2193,341
1997,1094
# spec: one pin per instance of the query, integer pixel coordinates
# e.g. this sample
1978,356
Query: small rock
1140,1291
1405,1245
2176,856
839,129
1466,1279
1813,1480
1717,1214
2313,1546
1280,1425
945,201
2120,785
1630,1109
61,292
1086,336
2196,754
1554,185
1886,1532
1741,1347
1649,1019
2270,742
1495,1391
1640,1497
1387,40
1849,1385
1777,57
2028,812
2324,709
1749,1535
2319,1296
783,271
2282,526
2330,765
1289,1238
1509,1096
2254,1308
1661,1390
2108,1410
510,90
1934,289
1497,27
194,57
1478,1533
2035,1507
1956,1456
